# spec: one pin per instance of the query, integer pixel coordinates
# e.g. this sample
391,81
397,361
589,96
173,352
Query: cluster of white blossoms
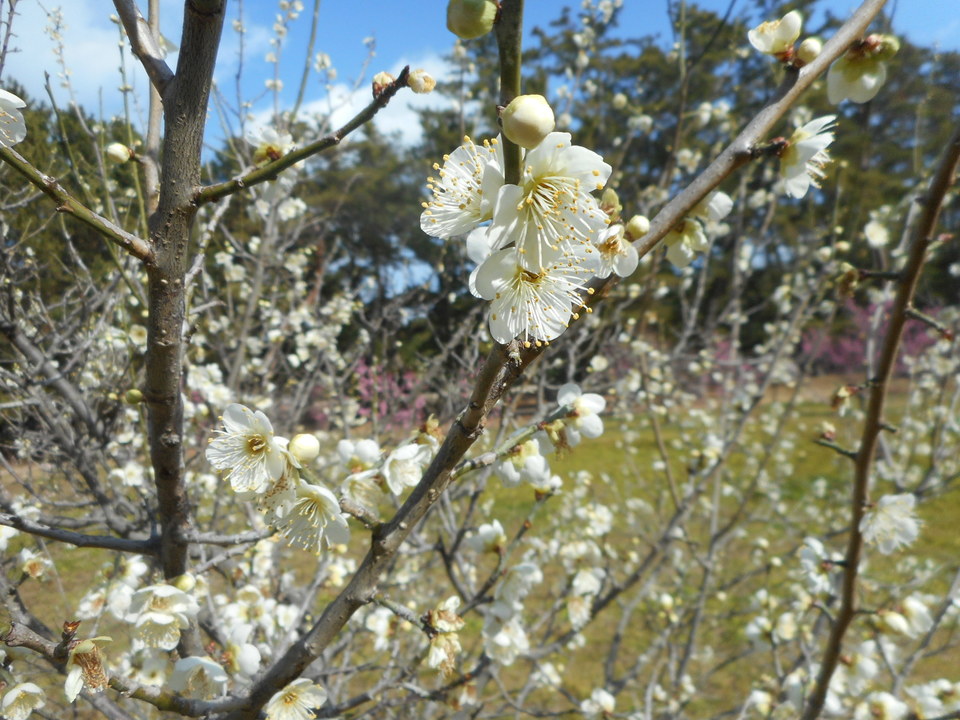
857,75
538,242
267,469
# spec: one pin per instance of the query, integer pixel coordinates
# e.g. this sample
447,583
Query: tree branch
144,44
739,152
940,184
66,203
272,170
107,542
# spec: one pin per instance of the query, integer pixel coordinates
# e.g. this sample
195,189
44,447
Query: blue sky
410,32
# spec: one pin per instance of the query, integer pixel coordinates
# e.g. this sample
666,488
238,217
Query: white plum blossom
13,129
617,254
600,703
508,599
505,641
198,676
816,566
403,467
21,700
296,701
876,234
935,698
551,211
85,668
689,236
803,159
917,615
892,524
379,622
584,418
360,455
314,517
465,189
776,37
535,306
244,657
489,537
881,706
859,74
247,449
159,613
525,463
445,644
269,145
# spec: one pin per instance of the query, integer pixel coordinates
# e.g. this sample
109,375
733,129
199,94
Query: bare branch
272,170
107,542
931,203
66,203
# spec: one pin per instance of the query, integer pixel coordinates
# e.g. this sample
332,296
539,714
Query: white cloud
91,51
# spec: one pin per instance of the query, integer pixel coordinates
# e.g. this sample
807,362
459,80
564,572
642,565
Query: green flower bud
808,50
888,47
133,396
610,204
637,227
470,19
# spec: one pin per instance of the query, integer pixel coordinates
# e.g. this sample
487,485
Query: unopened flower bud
381,81
848,281
468,19
610,204
185,582
118,152
421,82
619,101
887,47
527,120
133,396
638,226
304,447
808,50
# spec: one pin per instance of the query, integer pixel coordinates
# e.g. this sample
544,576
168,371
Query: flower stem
509,39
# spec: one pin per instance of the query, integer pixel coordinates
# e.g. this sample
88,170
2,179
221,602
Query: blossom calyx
527,120
468,19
